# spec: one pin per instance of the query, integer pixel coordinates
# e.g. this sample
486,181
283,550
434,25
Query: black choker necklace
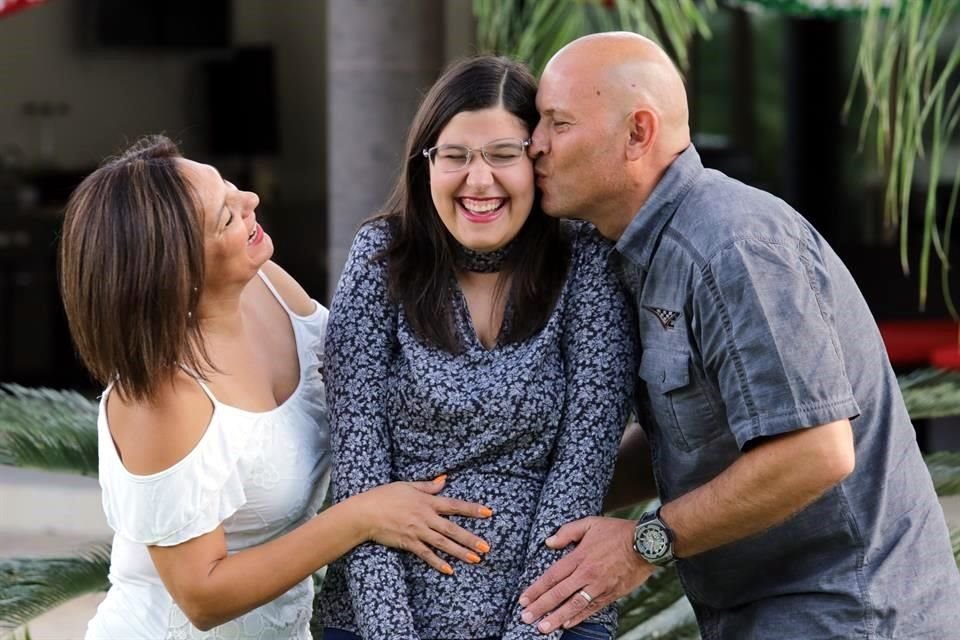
481,261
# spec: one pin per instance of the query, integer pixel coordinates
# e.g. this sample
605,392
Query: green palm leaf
931,393
533,30
676,622
30,587
23,633
655,597
907,89
945,470
48,429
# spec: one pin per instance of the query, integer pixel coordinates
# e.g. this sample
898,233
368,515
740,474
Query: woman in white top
213,437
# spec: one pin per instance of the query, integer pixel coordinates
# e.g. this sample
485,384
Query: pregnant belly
479,596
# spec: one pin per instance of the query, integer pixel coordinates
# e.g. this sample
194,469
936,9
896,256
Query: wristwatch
653,539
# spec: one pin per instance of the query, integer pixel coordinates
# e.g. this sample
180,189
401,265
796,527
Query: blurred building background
307,103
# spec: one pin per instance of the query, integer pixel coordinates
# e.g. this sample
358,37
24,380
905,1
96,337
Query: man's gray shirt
752,327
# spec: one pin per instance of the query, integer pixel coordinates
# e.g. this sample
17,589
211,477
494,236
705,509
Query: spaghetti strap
203,385
275,293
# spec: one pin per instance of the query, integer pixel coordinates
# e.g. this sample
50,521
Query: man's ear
644,125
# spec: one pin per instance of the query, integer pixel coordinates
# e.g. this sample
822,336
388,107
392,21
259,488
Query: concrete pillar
381,56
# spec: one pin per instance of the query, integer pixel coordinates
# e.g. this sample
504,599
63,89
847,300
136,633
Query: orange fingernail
447,569
485,512
473,558
441,478
482,547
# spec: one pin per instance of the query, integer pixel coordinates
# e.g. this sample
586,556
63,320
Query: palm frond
931,393
532,31
906,83
676,622
650,600
945,470
21,633
48,429
30,587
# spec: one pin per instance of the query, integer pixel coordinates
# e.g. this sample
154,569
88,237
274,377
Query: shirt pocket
682,408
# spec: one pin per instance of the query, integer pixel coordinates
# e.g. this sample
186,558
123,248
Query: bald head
630,72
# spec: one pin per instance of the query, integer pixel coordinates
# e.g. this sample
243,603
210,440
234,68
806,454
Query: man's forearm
633,476
766,486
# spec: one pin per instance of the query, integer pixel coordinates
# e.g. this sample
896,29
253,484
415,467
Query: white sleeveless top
259,474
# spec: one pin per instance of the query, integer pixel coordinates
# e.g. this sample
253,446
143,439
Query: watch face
652,541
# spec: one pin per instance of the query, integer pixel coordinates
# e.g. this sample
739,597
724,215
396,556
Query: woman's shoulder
151,436
376,234
368,258
171,470
289,290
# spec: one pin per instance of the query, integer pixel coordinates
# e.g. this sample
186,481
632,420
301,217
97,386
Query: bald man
795,501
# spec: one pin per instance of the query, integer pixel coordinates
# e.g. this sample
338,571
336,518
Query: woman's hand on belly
408,516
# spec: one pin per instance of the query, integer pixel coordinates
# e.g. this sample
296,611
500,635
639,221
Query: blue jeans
583,631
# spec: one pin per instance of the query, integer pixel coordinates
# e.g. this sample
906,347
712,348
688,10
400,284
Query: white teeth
252,235
483,206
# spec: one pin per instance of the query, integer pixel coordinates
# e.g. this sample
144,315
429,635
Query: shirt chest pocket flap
681,406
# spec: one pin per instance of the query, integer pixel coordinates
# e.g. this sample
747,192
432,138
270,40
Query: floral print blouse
529,428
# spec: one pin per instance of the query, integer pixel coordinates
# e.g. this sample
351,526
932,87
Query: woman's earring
190,313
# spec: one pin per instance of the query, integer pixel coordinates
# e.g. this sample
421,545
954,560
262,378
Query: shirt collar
643,233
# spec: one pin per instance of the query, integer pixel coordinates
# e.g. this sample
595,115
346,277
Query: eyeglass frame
471,150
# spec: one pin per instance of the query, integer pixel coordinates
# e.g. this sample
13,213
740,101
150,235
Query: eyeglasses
496,153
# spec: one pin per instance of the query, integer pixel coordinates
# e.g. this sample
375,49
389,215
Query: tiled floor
68,622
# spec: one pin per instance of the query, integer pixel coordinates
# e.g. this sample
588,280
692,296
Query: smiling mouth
483,206
255,235
481,210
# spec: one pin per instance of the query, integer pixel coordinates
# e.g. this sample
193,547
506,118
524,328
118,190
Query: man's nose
537,144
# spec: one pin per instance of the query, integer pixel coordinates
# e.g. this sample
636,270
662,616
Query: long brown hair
420,257
131,265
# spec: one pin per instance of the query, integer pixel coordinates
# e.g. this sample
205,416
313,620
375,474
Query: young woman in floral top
473,336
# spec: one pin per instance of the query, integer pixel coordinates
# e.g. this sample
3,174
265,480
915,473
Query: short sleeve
766,334
191,498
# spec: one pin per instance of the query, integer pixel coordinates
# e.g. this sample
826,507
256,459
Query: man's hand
601,569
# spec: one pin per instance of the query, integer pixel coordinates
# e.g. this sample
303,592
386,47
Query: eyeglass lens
498,153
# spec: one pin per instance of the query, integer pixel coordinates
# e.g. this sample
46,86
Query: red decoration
946,357
9,6
921,343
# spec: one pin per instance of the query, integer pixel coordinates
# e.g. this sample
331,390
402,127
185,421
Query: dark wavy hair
131,266
420,257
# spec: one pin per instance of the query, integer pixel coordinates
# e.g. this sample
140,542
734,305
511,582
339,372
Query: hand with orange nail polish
410,516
